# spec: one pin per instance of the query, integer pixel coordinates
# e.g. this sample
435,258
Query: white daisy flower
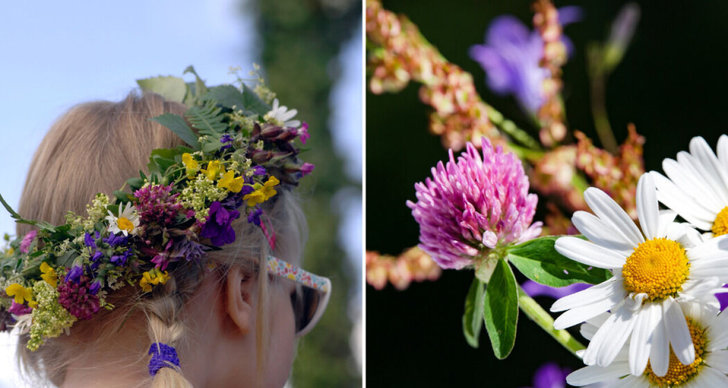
127,221
281,116
653,269
698,186
709,335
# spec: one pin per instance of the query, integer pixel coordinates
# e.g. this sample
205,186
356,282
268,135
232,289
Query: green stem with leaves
542,318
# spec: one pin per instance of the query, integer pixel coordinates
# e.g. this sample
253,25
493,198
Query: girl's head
231,322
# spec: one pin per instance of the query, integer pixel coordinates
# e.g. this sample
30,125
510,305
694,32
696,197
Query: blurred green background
300,41
671,84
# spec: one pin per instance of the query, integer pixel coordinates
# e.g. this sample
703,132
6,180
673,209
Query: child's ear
239,289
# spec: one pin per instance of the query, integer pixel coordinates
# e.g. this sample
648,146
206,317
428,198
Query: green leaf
473,317
227,96
200,88
207,119
177,125
539,261
252,103
500,310
171,88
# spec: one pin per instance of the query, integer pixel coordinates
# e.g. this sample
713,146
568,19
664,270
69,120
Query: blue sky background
63,53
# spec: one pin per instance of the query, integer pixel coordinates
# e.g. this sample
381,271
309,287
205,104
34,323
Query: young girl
189,277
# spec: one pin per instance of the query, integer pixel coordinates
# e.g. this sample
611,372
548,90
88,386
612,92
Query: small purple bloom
723,298
550,375
27,240
19,309
89,241
307,168
534,289
218,228
94,288
157,204
96,256
474,203
74,274
116,240
227,140
247,189
120,260
259,170
303,132
254,216
511,55
188,250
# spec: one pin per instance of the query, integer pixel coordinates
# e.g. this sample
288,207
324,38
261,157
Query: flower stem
542,318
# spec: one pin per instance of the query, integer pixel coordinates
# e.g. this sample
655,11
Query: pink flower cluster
78,299
156,205
472,205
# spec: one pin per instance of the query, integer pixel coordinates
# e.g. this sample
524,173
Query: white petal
608,289
700,149
647,208
667,218
582,314
678,332
595,374
609,211
723,151
674,198
685,176
590,327
601,232
660,346
639,347
610,338
719,332
588,253
718,360
709,377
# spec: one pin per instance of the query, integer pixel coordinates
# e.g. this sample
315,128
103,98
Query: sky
64,53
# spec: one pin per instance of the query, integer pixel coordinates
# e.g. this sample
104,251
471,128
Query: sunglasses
311,296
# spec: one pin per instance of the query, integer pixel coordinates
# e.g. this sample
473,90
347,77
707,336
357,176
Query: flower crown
239,153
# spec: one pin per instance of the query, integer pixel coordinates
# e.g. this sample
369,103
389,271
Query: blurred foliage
299,44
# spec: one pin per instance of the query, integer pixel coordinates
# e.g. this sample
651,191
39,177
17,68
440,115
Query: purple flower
259,170
19,309
94,288
74,274
307,168
115,240
96,256
187,249
254,216
534,289
77,298
157,205
473,204
120,260
227,140
218,228
303,132
27,240
511,55
723,299
550,375
89,240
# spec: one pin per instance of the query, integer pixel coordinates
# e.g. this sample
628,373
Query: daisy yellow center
720,225
657,267
677,372
125,224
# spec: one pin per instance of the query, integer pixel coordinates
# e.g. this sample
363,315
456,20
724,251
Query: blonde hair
94,148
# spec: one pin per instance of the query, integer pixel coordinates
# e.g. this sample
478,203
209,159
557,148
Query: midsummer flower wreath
239,154
640,281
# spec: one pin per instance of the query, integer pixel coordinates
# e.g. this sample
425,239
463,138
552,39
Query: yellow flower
153,277
262,192
21,294
190,164
49,274
228,181
213,168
